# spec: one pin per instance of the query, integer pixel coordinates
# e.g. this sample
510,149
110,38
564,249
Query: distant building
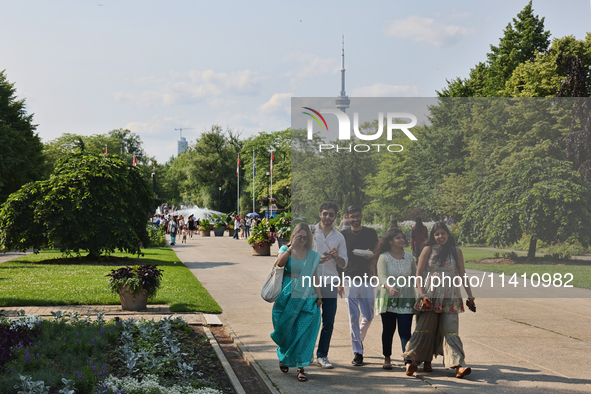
182,147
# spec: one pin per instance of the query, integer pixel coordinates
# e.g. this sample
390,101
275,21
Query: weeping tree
96,203
542,198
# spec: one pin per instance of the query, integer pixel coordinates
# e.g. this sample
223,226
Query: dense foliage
120,142
93,203
208,164
21,157
543,198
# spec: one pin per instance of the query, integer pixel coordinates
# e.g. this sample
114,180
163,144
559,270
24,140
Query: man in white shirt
331,245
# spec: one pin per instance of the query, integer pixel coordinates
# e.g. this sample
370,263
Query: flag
134,160
105,149
238,167
271,162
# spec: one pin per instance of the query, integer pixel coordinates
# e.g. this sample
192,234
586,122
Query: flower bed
70,352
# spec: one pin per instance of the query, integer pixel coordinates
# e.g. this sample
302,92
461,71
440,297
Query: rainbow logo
315,118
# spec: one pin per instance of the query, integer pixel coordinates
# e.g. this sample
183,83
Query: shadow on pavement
205,265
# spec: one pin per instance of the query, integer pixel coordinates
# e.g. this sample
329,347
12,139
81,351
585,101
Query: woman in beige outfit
440,302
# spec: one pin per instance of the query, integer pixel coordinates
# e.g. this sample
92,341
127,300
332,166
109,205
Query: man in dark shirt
359,292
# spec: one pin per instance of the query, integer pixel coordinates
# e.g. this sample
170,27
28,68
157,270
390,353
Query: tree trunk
531,253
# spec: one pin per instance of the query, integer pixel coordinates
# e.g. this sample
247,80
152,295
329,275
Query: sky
153,67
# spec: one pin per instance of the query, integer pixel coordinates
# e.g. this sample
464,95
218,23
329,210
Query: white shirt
323,244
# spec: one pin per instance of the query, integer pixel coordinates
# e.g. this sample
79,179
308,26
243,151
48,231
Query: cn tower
343,101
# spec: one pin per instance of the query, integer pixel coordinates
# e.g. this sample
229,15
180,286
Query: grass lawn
580,269
38,279
479,254
581,273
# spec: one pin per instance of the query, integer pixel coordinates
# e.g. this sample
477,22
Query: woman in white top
396,299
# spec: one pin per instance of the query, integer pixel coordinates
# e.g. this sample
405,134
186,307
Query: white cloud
279,104
427,30
310,66
383,90
191,87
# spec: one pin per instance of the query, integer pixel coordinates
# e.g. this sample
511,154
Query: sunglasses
304,238
329,214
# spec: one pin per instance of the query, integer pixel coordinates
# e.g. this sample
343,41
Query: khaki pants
436,334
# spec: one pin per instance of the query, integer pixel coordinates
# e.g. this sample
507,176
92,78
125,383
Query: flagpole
238,191
271,205
253,173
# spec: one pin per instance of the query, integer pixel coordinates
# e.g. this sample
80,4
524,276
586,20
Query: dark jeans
247,231
389,327
236,233
329,310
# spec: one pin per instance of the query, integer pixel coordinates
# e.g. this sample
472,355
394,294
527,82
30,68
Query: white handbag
273,284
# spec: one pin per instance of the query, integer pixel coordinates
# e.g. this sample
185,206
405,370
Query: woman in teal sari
296,312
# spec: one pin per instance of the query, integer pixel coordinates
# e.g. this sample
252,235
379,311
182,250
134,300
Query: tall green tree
542,198
208,165
119,142
522,41
545,75
21,153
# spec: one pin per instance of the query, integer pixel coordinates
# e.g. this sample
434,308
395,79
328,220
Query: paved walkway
514,345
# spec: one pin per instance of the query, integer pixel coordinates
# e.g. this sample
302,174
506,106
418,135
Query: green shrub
569,247
94,203
156,235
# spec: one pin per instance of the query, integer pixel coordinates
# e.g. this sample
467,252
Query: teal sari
296,317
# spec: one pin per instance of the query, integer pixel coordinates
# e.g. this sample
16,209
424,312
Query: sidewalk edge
229,371
262,374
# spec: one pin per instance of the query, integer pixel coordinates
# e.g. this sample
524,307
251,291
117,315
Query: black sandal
302,375
283,368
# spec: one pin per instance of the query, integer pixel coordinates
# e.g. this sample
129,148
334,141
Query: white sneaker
324,363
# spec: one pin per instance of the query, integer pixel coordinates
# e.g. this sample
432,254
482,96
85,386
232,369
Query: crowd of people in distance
306,309
174,224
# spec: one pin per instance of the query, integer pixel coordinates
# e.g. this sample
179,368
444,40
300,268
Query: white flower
150,384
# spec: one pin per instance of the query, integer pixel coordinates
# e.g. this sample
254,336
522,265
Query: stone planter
219,232
282,241
129,302
264,251
231,232
205,233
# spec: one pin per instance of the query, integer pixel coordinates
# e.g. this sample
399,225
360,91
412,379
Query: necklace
355,233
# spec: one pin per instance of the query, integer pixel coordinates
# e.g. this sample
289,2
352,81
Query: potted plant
205,227
219,225
135,285
261,240
283,227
